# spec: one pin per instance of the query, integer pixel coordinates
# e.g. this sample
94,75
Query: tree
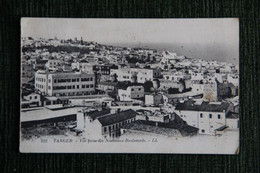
173,91
147,86
114,77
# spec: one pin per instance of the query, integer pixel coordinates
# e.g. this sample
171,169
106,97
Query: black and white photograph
129,86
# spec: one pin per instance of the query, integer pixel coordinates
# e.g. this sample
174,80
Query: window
201,115
30,97
210,115
77,86
83,86
132,89
105,129
49,81
77,79
55,80
139,89
202,131
219,117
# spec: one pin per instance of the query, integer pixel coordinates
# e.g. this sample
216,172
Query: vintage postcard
129,86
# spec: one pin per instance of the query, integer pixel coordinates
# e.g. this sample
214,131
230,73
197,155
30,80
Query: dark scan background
13,161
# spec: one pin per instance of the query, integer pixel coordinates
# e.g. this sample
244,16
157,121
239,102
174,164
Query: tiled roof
204,106
232,115
96,114
117,117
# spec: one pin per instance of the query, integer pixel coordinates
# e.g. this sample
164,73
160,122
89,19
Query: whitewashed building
53,63
207,116
131,92
103,124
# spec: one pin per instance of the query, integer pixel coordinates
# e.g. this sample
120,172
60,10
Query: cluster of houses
121,91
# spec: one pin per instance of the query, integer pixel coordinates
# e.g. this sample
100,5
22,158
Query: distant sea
213,51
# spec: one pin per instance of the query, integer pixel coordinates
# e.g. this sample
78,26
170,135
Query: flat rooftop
44,113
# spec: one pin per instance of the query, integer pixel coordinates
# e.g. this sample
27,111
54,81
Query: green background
12,161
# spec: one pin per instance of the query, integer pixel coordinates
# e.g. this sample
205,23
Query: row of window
201,116
35,97
126,77
117,125
40,79
54,63
145,78
74,94
124,95
210,116
72,87
72,80
39,86
167,78
138,89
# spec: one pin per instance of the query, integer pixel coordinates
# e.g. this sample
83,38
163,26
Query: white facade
85,67
234,79
53,63
142,75
176,77
198,88
153,99
34,98
98,130
197,76
123,74
64,84
130,93
232,123
207,122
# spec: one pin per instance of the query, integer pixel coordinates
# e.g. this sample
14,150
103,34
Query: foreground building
104,124
209,117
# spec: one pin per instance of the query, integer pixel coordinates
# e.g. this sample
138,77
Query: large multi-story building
139,75
64,84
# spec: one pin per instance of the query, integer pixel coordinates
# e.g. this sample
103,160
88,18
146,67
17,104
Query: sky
222,34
